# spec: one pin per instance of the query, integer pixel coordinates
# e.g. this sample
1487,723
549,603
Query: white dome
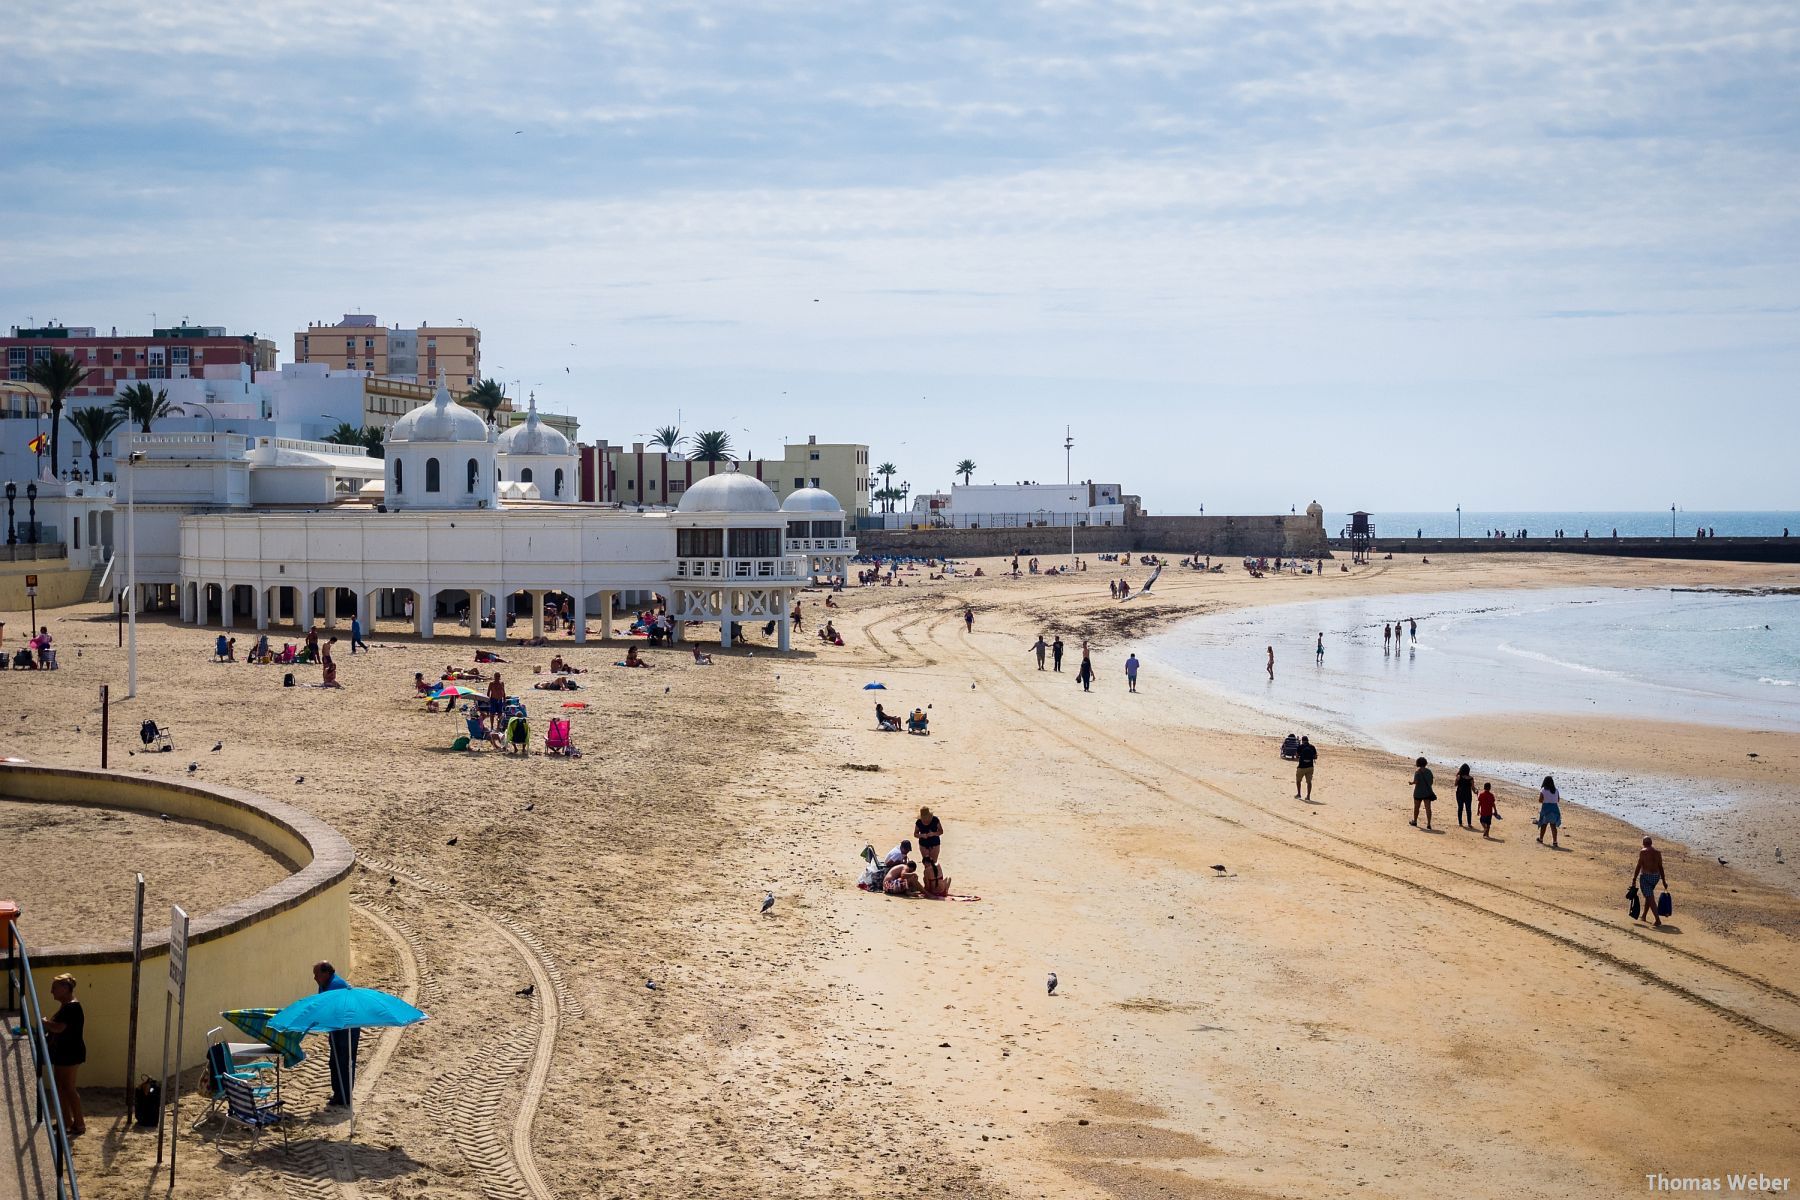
532,436
729,493
442,420
812,500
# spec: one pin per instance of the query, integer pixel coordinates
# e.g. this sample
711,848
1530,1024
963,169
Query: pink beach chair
556,738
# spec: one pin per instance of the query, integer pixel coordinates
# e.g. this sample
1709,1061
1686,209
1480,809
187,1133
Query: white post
580,597
130,577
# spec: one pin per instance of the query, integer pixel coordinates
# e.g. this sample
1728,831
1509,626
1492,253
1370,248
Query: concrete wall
1773,550
257,951
58,584
1219,536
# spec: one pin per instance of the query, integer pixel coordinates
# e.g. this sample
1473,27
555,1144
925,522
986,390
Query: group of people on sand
916,721
261,653
900,875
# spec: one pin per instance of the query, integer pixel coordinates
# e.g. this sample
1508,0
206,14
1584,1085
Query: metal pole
162,1099
137,964
105,717
131,574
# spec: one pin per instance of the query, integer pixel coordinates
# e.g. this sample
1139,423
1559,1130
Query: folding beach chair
219,1064
255,1113
556,739
155,737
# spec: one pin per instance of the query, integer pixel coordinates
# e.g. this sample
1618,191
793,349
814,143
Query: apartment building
360,342
112,359
636,475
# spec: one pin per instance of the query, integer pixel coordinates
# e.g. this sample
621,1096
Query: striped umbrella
255,1022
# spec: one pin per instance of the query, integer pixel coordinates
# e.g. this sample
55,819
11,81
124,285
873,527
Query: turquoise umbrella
345,1008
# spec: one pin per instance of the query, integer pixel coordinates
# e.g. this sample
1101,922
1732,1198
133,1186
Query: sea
1722,657
1573,524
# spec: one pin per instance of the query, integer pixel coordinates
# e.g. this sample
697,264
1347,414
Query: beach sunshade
255,1022
874,687
454,689
344,1008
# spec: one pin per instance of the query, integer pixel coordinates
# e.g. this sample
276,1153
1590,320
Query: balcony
836,545
742,570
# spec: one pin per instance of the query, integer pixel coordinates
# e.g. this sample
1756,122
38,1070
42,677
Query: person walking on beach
1084,674
1422,793
1131,670
1649,873
356,637
1549,812
969,618
1387,634
1319,654
1484,806
1305,754
1056,652
1271,662
1465,797
1040,648
1412,627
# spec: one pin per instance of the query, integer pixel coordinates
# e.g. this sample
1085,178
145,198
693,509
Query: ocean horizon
1573,523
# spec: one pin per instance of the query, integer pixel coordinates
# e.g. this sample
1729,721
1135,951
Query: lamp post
1671,520
12,532
1071,535
131,461
31,500
1459,522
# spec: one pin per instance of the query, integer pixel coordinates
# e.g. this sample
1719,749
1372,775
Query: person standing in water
1271,662
1319,654
1387,634
1412,627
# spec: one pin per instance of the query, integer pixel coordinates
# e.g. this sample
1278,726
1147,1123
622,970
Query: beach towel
1631,895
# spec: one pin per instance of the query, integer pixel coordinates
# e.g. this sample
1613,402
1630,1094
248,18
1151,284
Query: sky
1514,255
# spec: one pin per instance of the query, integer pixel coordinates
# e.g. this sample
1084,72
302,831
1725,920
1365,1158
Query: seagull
768,901
1722,862
651,984
218,746
453,840
526,990
531,806
1050,984
1219,867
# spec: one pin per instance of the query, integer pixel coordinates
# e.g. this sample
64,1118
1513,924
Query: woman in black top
930,831
67,1050
1465,797
1422,793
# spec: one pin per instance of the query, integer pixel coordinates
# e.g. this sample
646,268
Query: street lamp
1459,522
31,500
1071,535
12,532
1671,520
131,462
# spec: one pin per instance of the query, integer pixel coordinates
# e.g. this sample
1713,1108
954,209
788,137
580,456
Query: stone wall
1228,537
1770,550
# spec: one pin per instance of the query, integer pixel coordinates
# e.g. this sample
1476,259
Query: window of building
755,543
827,529
797,529
815,481
431,474
118,356
369,366
368,345
349,345
700,543
15,356
799,483
525,475
814,456
181,356
93,354
675,485
474,474
15,372
399,477
557,489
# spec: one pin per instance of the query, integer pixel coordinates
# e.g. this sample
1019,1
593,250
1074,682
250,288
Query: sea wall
254,952
1262,536
57,584
1769,550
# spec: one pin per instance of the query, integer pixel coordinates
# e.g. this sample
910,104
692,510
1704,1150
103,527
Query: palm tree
95,424
345,434
668,437
965,468
711,445
141,404
374,440
887,471
488,396
59,374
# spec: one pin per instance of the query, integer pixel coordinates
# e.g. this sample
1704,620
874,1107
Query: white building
268,530
1017,505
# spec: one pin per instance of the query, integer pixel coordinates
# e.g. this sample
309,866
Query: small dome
729,493
442,420
812,500
532,436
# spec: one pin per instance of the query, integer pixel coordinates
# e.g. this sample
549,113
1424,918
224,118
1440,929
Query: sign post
137,965
174,1004
31,591
105,719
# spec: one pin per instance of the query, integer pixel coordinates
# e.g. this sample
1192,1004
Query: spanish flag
39,444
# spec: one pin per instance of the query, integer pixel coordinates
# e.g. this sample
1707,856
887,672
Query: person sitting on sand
883,721
918,722
701,660
632,659
902,880
898,854
331,679
559,667
260,651
221,649
518,736
932,880
562,683
479,733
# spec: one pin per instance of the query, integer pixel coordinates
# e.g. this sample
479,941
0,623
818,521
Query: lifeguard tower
1360,533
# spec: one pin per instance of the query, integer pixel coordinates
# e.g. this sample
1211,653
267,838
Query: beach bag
147,1103
1632,895
461,743
287,680
1665,907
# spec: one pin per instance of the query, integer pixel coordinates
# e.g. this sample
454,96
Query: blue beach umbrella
874,687
345,1008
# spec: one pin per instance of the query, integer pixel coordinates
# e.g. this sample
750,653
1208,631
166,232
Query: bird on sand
531,806
1219,867
218,746
299,779
453,840
194,766
650,984
1050,984
526,990
768,901
1723,863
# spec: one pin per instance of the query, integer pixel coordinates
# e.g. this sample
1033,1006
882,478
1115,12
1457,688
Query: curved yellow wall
256,952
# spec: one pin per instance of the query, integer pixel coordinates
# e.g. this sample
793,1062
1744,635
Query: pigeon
1778,857
768,901
453,840
299,779
1219,867
531,806
194,766
1723,863
1050,984
393,880
650,984
218,746
526,990
665,691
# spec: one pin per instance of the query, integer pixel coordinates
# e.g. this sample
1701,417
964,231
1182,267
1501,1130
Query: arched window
474,470
399,476
559,475
525,475
431,474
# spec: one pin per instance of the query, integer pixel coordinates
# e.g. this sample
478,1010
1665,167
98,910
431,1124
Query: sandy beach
1351,1007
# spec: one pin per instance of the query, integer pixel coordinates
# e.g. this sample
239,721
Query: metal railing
831,545
740,569
19,984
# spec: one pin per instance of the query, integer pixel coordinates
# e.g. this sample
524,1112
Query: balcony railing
741,570
836,545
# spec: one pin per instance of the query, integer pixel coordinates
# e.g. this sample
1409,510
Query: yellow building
359,342
639,475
